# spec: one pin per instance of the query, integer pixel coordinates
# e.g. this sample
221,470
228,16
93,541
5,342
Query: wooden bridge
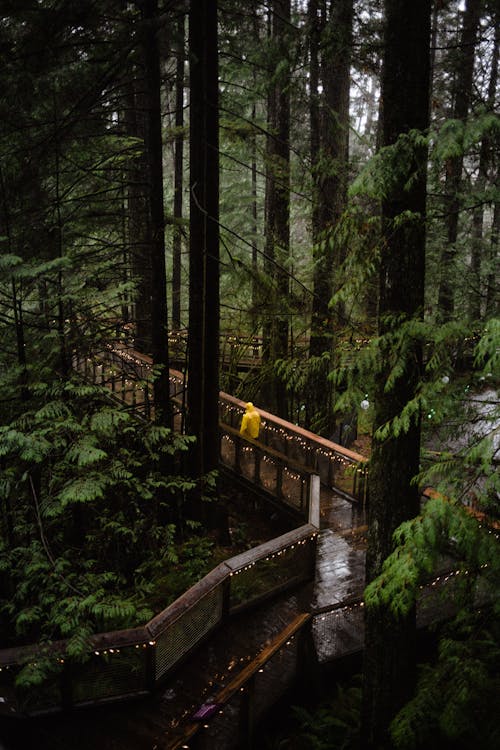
245,632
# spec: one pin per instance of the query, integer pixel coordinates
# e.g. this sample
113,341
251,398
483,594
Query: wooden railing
280,444
284,481
340,469
132,662
299,655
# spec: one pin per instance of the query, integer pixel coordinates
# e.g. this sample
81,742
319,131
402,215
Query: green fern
83,490
85,452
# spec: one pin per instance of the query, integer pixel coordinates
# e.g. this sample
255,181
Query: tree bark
331,170
154,151
330,160
203,339
137,223
178,175
477,291
492,286
278,191
389,664
462,94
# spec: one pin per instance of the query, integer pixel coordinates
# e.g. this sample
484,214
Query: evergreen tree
389,655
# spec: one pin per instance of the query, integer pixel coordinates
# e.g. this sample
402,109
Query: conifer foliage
342,210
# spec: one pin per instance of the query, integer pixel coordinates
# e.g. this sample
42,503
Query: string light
306,446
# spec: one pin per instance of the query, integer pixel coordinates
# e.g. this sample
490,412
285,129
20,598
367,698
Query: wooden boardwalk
162,719
251,655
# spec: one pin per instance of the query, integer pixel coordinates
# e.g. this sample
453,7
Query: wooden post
279,480
256,476
314,500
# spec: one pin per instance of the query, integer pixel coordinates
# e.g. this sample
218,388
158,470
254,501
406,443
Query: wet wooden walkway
158,721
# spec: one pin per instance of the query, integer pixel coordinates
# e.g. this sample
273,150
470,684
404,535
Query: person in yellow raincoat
250,424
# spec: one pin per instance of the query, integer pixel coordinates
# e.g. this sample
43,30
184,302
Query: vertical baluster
279,481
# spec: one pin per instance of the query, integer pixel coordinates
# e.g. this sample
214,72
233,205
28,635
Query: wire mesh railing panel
228,451
271,573
268,474
441,598
230,414
184,633
339,632
247,462
275,437
294,489
48,698
109,673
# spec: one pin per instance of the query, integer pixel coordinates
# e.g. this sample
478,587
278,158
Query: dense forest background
292,176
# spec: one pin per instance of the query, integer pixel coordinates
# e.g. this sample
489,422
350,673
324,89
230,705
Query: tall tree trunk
492,286
58,241
389,663
331,176
278,191
330,195
178,174
314,42
17,307
154,150
138,220
255,249
476,291
203,344
462,94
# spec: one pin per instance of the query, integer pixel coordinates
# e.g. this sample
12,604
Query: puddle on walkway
340,570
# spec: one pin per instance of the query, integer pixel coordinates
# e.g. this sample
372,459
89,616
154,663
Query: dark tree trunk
278,191
154,151
58,246
330,159
17,308
389,666
255,249
315,393
477,292
178,175
314,42
203,346
492,286
331,170
462,94
138,220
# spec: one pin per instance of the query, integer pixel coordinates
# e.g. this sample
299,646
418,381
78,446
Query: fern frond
83,490
85,452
